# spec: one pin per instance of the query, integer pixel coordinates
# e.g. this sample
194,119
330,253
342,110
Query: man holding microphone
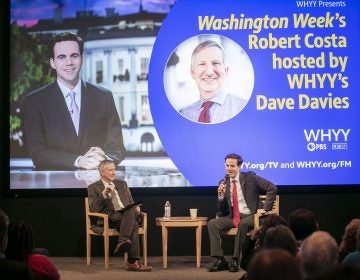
237,202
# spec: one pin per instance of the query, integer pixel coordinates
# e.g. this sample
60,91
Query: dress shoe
122,247
136,266
234,266
218,265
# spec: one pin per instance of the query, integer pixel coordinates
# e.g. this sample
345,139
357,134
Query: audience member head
348,241
4,224
352,258
269,221
10,269
273,220
318,253
21,241
280,237
273,264
302,222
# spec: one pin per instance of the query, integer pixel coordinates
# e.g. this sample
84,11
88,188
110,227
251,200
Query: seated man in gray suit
109,196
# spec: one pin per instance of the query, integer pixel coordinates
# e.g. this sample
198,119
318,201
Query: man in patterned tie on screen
209,71
69,123
245,188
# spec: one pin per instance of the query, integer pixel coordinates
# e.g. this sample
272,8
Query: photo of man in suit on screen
71,124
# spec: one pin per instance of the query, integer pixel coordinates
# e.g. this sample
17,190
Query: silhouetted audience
353,258
280,237
302,222
257,239
269,221
348,241
20,247
10,269
273,264
318,253
341,272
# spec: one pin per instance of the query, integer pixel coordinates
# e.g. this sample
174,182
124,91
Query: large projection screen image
277,79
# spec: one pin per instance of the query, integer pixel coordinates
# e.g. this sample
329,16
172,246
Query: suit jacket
50,136
252,186
97,203
14,270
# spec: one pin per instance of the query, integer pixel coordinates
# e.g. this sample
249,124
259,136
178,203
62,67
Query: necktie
115,199
74,112
236,213
204,116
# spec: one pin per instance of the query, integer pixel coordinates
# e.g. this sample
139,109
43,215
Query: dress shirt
224,107
65,91
243,208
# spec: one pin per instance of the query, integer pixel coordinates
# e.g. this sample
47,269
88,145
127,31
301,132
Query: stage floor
181,268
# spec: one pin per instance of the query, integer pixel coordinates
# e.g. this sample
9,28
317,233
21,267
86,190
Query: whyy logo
313,136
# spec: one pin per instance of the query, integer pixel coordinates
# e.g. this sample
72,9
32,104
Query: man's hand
261,211
221,189
108,191
92,158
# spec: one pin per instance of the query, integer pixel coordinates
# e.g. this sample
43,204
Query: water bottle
167,213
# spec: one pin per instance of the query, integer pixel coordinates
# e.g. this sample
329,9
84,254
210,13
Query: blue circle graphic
297,90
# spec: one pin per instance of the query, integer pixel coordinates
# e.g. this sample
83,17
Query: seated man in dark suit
109,196
237,202
10,269
69,123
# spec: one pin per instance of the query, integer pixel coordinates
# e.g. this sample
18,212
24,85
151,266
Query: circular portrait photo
209,79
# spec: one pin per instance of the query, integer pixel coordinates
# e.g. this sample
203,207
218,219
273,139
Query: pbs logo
314,147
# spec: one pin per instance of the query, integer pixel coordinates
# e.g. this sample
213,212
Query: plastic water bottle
167,212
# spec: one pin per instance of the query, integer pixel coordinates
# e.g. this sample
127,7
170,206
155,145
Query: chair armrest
144,221
100,215
105,217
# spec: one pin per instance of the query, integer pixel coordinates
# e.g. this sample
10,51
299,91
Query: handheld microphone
221,189
226,177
